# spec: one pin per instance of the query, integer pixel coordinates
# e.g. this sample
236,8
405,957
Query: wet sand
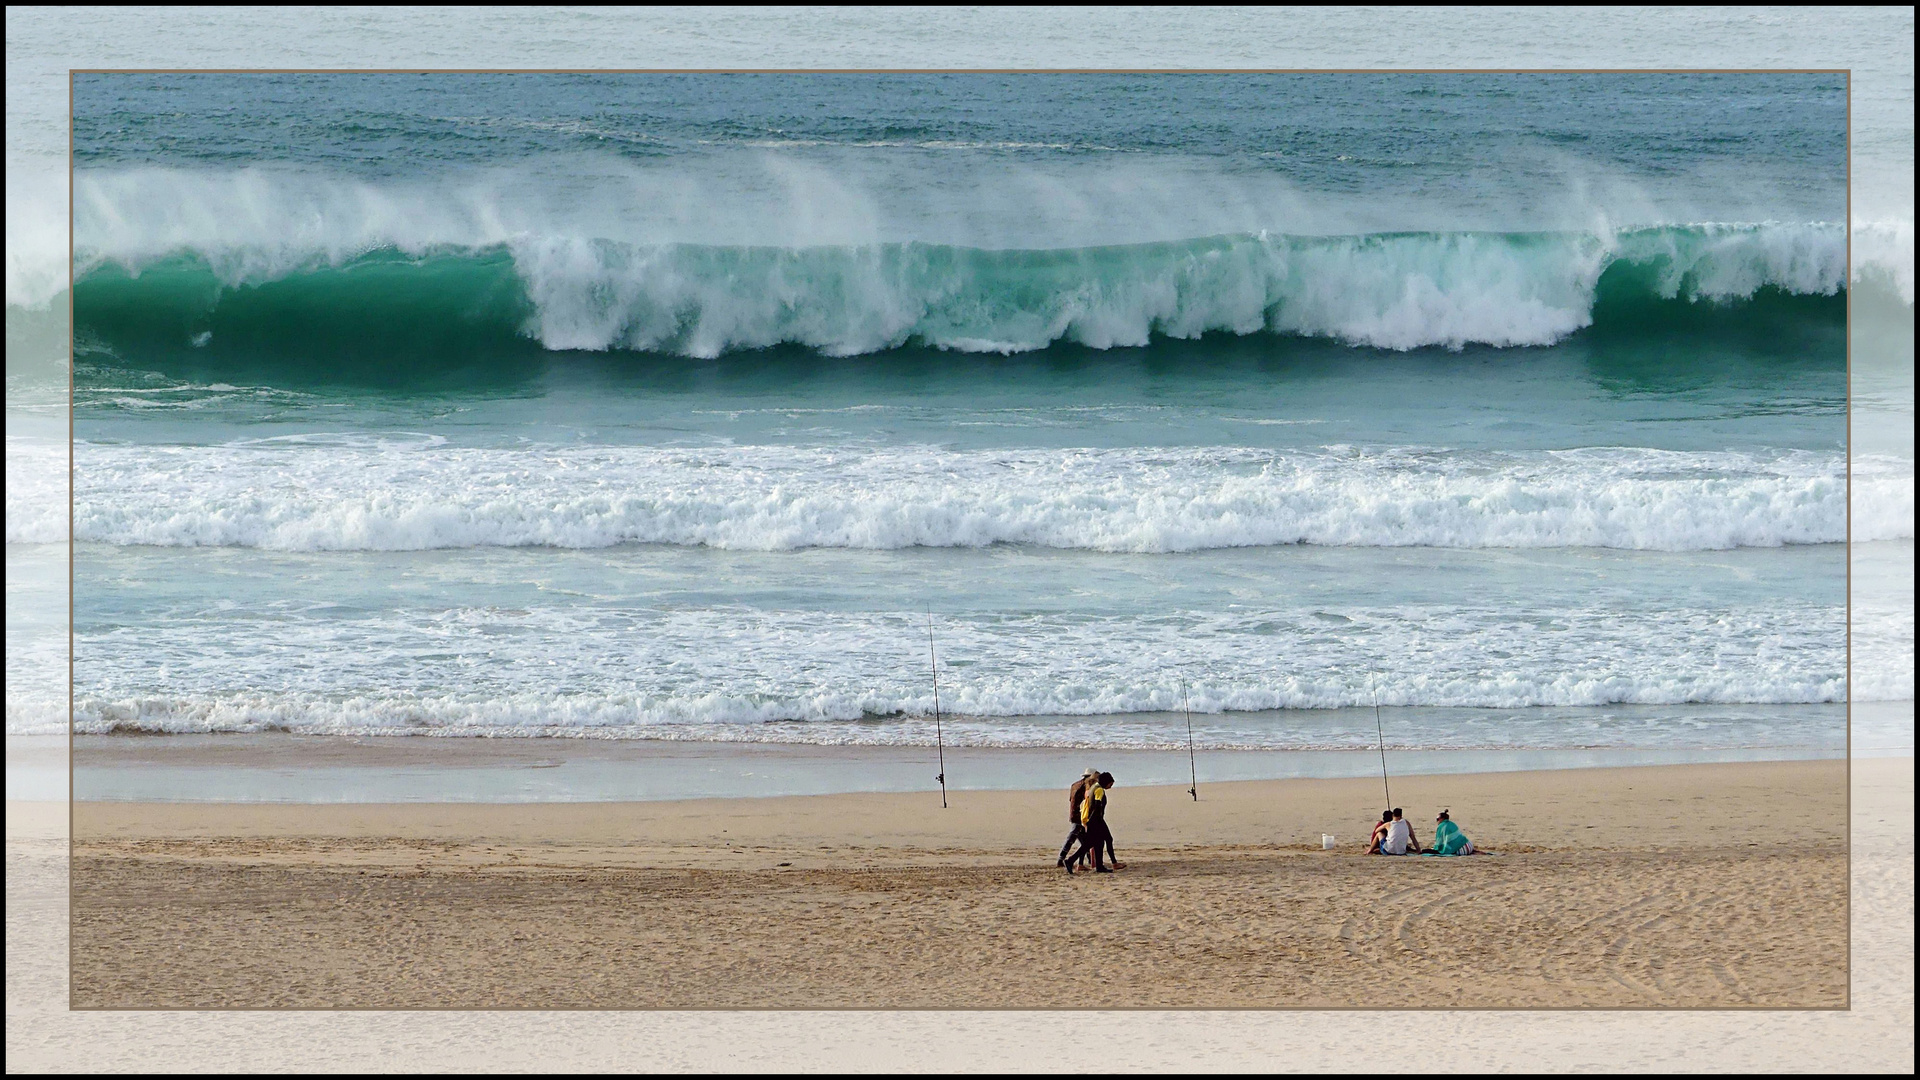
280,767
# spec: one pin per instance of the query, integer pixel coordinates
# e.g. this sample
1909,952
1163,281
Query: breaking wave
569,292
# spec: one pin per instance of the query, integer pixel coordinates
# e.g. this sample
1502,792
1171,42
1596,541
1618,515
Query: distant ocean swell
572,292
325,493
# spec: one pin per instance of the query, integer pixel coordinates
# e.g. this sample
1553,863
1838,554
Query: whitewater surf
662,407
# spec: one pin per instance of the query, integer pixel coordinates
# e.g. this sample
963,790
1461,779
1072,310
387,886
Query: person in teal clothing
1447,838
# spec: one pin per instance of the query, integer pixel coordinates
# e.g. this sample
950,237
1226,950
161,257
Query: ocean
696,407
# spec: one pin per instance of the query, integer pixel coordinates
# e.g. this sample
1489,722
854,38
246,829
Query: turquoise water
636,406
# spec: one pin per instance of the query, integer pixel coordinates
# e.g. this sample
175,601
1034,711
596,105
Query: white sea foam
654,261
37,237
527,717
37,502
1883,253
1883,651
407,494
1399,291
858,676
1396,292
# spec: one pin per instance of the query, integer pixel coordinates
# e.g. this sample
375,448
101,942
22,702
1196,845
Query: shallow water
254,768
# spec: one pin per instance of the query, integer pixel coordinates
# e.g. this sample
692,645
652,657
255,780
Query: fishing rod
938,739
1193,772
1374,682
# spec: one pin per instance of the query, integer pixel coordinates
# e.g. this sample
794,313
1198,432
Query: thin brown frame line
967,1009
72,73
1848,572
960,71
72,812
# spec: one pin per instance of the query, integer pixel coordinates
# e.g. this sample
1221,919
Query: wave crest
570,292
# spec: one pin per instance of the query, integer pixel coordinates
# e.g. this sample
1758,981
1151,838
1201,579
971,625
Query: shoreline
348,769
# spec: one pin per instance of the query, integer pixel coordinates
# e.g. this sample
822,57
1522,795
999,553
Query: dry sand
1704,885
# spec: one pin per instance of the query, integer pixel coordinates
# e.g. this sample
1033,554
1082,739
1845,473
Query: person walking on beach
1106,832
1075,796
1093,818
1399,839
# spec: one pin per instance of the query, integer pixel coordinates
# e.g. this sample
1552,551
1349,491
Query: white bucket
1326,841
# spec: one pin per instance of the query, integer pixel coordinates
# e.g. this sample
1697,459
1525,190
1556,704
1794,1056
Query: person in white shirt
1399,839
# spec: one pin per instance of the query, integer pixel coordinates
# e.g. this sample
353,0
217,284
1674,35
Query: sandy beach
1696,885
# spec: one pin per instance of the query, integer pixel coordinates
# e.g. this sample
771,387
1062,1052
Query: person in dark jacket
1093,818
1075,796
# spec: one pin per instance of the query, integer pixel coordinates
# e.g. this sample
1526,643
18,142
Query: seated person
1447,837
1399,839
1379,832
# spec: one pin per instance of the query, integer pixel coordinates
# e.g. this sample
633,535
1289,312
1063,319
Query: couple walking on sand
1087,811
